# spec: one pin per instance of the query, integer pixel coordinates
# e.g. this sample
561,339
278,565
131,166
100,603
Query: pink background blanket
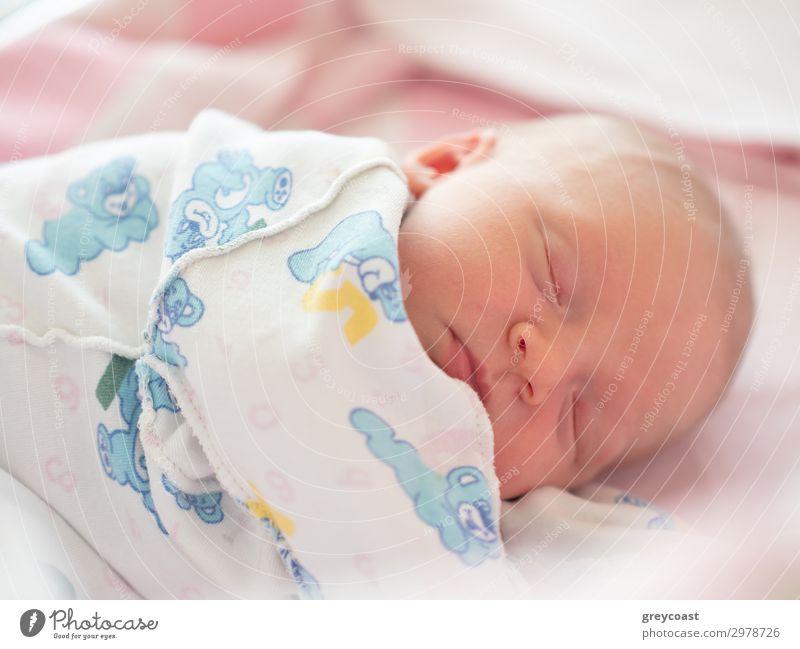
713,79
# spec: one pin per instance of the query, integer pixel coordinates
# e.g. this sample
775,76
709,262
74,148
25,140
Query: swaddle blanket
207,368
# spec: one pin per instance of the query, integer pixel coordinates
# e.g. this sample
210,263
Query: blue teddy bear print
662,520
216,206
178,307
160,395
120,450
306,583
111,207
456,505
205,505
362,241
122,456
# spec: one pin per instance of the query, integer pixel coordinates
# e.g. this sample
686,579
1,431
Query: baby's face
584,330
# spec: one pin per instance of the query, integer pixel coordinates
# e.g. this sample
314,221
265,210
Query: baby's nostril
529,389
521,344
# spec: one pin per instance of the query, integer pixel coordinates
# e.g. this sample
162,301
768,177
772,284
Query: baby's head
583,280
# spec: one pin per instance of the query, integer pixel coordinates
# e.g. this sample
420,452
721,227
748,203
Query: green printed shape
261,223
109,383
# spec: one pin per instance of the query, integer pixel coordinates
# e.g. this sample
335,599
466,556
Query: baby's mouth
462,365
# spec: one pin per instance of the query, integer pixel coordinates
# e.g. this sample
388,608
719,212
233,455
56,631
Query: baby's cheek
602,445
508,458
529,459
519,462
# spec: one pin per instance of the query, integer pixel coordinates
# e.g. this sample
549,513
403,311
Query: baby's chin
516,479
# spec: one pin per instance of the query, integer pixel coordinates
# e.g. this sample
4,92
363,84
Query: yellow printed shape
364,317
260,509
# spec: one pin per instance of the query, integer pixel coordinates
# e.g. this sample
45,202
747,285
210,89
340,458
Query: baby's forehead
616,193
589,134
598,154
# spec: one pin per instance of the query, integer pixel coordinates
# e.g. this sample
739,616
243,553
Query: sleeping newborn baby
577,275
241,363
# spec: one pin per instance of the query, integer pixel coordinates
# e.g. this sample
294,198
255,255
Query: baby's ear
429,164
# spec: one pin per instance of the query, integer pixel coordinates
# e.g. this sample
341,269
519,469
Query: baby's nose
535,360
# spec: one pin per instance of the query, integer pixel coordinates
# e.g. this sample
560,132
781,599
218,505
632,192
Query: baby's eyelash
574,415
553,289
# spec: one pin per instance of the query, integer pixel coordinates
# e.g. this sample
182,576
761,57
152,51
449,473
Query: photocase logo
31,622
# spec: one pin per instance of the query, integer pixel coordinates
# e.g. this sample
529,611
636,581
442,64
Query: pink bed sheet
103,73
